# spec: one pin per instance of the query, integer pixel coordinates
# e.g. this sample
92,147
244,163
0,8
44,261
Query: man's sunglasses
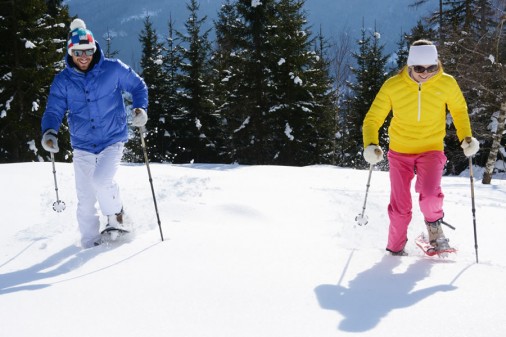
430,69
87,52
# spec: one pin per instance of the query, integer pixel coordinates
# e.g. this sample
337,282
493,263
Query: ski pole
473,209
143,143
362,219
58,205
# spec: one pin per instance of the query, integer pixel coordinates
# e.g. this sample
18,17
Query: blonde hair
422,42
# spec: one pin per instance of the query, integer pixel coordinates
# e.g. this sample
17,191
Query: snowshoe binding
436,243
441,249
114,228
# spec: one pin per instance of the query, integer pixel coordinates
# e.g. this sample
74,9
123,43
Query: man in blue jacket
89,91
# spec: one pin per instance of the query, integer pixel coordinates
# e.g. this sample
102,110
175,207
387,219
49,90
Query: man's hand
140,117
49,141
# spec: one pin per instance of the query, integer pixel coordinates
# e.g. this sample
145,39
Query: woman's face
422,73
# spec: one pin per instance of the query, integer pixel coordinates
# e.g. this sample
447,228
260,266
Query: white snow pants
94,175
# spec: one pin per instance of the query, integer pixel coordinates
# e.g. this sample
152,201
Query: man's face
82,58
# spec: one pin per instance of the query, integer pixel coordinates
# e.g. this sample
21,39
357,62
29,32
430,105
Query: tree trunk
496,143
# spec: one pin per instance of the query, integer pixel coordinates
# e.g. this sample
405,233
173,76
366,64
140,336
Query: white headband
422,55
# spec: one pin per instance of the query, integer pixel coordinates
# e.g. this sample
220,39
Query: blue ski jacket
93,102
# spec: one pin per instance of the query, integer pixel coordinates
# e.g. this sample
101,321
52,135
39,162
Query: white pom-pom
77,23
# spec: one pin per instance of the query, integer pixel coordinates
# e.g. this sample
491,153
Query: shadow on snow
375,292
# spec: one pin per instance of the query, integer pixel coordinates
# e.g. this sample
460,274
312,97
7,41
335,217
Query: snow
243,125
248,251
288,132
29,44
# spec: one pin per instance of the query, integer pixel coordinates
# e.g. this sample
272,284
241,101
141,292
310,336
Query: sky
248,251
123,19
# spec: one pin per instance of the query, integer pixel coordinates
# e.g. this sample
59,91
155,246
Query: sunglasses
430,69
87,52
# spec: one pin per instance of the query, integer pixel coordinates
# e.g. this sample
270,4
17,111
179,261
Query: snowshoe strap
447,224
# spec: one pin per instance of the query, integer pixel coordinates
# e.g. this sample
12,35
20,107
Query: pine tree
154,76
274,87
402,54
340,71
327,98
108,51
31,52
196,124
303,95
168,120
370,75
228,76
248,115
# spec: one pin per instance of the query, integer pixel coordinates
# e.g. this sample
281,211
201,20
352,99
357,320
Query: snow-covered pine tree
326,104
248,114
171,66
108,51
228,76
301,97
339,69
32,49
274,88
195,122
370,74
154,76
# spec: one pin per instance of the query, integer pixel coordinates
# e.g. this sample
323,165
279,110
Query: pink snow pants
428,167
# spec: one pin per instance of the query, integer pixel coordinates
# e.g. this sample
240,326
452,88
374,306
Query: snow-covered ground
249,251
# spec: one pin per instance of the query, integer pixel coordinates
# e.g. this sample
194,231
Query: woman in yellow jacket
418,97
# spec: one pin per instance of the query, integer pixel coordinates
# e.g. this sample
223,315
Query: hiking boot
437,238
115,220
399,253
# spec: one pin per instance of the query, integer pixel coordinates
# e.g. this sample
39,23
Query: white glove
140,117
49,141
373,154
470,145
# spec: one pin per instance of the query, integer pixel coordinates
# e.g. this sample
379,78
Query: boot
115,220
437,238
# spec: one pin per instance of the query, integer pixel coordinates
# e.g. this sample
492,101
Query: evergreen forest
267,89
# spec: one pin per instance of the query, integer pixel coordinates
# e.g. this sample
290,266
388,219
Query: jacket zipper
419,100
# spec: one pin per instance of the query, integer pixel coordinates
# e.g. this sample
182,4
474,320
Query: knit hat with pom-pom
80,38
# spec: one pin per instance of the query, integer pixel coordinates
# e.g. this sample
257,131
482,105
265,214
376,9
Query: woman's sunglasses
430,69
87,52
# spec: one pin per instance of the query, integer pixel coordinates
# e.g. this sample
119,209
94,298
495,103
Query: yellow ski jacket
419,113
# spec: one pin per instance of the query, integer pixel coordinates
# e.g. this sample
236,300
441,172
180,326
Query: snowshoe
114,228
112,233
441,248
